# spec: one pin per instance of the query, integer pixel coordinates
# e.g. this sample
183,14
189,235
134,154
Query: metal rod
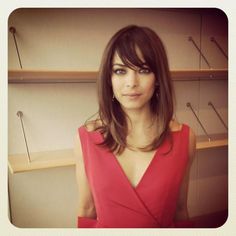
20,114
13,31
188,104
219,47
191,39
217,113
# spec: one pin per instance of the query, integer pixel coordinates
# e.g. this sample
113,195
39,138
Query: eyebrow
118,64
123,65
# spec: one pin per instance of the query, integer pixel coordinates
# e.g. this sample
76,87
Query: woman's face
132,88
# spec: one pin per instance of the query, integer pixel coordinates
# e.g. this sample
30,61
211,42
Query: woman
133,161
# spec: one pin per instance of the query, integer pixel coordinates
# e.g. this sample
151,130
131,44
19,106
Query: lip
132,94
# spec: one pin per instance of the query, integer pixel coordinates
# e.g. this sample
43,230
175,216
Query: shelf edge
37,76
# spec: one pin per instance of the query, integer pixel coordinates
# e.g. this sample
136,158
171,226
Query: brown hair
113,118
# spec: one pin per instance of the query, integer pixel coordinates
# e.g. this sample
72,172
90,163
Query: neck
141,128
139,119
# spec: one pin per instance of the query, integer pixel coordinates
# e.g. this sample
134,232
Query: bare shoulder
93,125
175,125
90,126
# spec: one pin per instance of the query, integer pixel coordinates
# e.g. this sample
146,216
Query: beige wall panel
74,39
187,91
42,199
52,114
214,25
212,195
212,162
217,93
209,182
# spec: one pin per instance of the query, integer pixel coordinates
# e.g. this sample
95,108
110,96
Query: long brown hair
113,118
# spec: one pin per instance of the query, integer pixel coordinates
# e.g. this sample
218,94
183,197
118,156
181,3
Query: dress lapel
132,196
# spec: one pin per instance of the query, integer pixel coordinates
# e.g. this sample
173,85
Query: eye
119,71
144,70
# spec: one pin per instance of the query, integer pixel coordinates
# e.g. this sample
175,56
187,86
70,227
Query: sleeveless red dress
152,203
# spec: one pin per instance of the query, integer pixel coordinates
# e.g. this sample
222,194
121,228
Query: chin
132,106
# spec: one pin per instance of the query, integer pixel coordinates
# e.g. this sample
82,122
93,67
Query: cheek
150,85
150,91
116,85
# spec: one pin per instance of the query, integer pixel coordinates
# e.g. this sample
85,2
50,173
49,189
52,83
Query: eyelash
119,71
145,70
123,71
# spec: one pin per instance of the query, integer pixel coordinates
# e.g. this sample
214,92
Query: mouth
132,95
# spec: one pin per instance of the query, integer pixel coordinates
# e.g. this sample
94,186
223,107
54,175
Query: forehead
117,58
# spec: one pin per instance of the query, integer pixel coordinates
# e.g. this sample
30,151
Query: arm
86,207
182,209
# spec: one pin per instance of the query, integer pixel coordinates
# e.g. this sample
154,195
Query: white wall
73,39
52,113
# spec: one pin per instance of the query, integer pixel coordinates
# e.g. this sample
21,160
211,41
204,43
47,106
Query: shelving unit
37,76
50,159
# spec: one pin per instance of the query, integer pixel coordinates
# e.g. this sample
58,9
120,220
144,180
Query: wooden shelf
37,76
199,74
217,140
33,76
60,158
41,160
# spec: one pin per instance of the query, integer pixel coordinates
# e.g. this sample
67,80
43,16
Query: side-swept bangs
127,47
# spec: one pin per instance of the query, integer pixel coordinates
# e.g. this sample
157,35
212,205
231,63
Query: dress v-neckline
143,176
147,170
122,172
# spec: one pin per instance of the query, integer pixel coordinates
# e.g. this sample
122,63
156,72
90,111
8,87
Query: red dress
152,203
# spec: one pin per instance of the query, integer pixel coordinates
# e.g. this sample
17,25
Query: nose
132,79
